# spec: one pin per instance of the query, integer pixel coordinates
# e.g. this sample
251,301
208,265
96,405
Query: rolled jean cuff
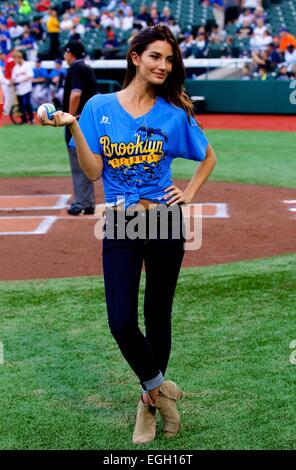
153,383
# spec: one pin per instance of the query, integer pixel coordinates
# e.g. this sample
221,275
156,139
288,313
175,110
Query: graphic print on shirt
138,161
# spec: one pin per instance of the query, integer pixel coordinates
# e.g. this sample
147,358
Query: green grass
64,384
243,156
265,158
33,151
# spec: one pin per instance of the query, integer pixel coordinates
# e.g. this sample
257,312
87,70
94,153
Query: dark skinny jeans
123,259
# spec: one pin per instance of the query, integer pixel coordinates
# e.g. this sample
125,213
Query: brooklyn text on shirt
140,151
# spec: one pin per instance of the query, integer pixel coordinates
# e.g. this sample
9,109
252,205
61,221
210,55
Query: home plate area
16,222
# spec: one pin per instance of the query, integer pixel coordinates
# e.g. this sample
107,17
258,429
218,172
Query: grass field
248,157
64,384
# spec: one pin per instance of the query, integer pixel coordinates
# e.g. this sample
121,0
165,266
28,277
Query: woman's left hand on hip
175,196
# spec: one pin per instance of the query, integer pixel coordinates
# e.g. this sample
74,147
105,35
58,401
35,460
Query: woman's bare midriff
142,204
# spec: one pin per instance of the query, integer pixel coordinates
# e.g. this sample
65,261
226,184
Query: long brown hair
173,88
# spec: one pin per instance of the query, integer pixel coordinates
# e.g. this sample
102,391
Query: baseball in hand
46,111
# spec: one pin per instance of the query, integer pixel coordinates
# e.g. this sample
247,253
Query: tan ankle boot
168,394
145,428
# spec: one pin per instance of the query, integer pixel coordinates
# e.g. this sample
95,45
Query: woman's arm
200,176
90,163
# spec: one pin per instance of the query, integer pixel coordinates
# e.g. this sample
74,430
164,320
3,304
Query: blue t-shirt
137,153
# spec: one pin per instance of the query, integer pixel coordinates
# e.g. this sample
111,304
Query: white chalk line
42,229
60,204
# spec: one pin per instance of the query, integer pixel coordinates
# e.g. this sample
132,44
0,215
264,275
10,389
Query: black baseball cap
76,48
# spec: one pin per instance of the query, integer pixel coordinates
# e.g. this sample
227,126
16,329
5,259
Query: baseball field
63,381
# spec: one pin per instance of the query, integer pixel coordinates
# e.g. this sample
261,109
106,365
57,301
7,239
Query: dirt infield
39,240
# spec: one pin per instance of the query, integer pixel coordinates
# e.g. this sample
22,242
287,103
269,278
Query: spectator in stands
118,19
124,6
67,23
246,17
74,36
259,13
25,8
9,91
43,5
251,4
262,73
219,12
37,30
143,15
40,91
72,13
26,42
57,72
246,73
99,3
65,5
286,39
201,48
217,36
110,45
273,56
128,21
2,82
264,59
92,23
5,42
21,79
166,15
79,28
266,40
107,19
90,12
245,30
15,30
154,15
231,50
231,11
260,27
261,43
174,27
79,4
290,57
40,73
53,28
283,73
57,78
186,45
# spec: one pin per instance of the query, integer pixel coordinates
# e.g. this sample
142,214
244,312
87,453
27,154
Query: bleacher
283,14
189,14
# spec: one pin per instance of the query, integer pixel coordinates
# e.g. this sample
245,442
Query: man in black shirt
80,86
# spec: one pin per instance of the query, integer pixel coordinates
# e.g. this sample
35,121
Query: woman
130,138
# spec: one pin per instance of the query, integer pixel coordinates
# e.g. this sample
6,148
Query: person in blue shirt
57,77
40,73
130,139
